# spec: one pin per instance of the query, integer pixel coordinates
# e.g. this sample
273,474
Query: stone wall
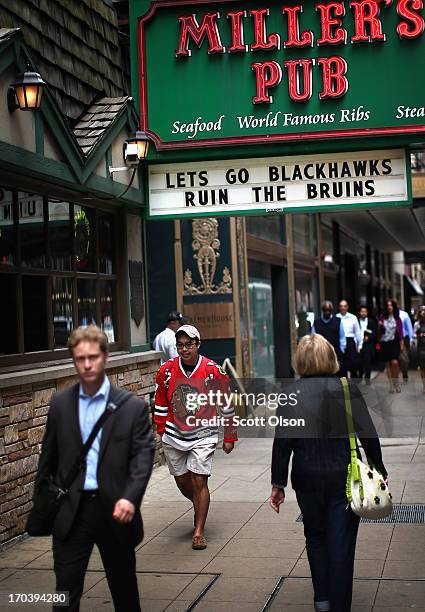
23,414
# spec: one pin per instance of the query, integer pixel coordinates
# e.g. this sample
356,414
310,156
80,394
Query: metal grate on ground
402,513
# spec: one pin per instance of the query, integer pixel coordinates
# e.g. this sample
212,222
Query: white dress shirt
351,327
166,343
407,325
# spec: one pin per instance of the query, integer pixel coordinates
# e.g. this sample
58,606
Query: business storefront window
261,315
305,303
268,228
302,233
62,310
57,270
7,228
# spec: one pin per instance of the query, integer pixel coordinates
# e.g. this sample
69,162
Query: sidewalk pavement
251,550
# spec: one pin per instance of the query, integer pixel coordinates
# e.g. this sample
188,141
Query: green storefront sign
229,73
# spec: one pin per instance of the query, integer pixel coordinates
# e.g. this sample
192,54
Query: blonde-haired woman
321,454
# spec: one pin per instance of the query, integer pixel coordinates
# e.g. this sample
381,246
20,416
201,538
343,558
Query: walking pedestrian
354,339
103,504
165,341
368,329
180,414
404,357
419,331
331,328
319,469
391,343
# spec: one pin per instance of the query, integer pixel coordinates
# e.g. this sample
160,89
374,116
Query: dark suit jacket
373,337
125,459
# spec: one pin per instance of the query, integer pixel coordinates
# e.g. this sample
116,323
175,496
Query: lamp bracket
118,169
12,105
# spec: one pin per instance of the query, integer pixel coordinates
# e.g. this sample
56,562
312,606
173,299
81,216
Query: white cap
189,330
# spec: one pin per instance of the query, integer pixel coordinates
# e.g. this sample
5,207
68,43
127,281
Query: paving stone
205,606
214,530
176,606
409,533
407,594
34,544
39,581
176,546
283,532
175,563
289,512
405,551
159,587
379,531
290,549
17,558
404,569
244,567
195,587
374,549
240,590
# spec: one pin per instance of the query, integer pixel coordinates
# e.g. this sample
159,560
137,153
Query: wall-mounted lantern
25,93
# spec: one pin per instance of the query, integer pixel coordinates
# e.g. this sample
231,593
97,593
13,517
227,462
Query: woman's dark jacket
321,449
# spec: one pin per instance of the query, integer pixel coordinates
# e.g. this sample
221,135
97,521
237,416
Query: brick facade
23,414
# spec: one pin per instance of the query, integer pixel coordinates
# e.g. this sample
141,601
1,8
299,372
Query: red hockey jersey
190,408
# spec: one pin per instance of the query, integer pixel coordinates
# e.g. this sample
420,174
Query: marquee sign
279,184
227,72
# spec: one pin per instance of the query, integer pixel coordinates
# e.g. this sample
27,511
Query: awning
414,285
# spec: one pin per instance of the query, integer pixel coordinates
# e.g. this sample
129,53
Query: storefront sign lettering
259,186
368,28
227,72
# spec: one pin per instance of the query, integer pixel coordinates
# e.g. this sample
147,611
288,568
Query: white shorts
198,460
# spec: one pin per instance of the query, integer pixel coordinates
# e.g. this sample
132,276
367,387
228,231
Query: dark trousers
351,358
404,363
330,530
367,355
71,557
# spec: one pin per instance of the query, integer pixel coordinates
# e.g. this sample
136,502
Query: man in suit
369,330
331,328
103,504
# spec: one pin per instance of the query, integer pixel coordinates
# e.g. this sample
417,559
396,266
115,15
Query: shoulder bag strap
350,427
111,407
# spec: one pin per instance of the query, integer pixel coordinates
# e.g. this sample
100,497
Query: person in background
419,331
354,339
368,329
391,343
319,469
165,341
331,328
408,341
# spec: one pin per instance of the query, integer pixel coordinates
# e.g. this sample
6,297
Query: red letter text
367,11
191,28
405,9
330,20
335,83
262,41
236,24
267,74
294,79
294,39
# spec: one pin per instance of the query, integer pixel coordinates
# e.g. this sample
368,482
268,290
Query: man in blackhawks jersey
192,398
